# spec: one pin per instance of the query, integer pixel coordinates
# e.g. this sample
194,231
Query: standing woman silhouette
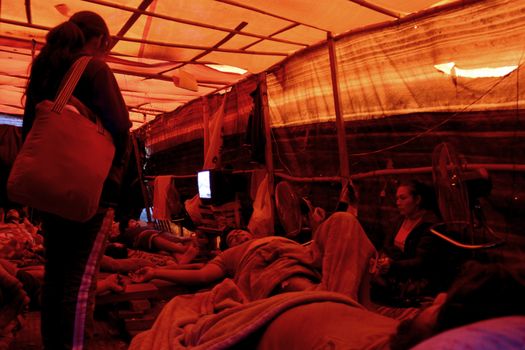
73,250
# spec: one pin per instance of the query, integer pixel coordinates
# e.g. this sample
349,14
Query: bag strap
70,82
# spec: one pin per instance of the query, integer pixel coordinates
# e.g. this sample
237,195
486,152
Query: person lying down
265,278
135,236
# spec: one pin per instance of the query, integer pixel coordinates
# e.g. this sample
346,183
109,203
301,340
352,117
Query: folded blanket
221,318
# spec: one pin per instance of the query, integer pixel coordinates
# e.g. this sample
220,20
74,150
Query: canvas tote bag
65,159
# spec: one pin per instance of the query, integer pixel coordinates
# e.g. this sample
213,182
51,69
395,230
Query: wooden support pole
205,125
380,9
339,121
145,195
267,131
192,23
268,154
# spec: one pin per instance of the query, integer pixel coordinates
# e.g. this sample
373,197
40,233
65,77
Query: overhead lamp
227,69
450,68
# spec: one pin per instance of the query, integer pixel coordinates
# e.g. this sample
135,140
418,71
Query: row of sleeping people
412,267
410,289
132,244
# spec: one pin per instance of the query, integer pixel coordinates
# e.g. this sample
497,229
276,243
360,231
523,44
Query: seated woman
413,262
146,238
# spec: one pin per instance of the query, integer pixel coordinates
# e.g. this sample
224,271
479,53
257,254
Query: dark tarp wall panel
398,106
175,142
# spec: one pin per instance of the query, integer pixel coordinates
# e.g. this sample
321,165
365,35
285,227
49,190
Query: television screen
204,184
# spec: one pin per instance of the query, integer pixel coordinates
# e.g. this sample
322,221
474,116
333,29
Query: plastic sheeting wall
397,106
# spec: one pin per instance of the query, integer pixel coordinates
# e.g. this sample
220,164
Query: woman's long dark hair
63,44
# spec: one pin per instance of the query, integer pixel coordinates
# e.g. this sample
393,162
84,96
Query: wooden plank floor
107,337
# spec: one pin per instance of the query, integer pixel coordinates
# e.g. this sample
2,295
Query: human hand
114,283
383,264
133,264
316,217
142,275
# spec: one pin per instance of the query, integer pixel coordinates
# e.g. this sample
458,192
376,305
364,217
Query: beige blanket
221,318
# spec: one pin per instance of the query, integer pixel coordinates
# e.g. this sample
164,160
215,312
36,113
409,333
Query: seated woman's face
406,202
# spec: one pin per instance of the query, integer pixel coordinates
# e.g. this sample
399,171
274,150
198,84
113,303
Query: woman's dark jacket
98,90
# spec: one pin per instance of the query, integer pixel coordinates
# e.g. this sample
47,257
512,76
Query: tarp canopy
163,51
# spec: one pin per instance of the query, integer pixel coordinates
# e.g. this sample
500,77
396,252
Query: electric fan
457,193
288,206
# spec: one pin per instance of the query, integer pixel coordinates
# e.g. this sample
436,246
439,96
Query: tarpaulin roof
162,50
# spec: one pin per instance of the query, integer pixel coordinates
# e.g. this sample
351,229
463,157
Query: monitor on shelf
215,187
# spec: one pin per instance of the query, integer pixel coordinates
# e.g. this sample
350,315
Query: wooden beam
205,125
147,203
254,9
268,153
198,24
380,9
28,11
203,48
162,77
158,43
340,123
130,22
24,24
217,45
293,25
388,172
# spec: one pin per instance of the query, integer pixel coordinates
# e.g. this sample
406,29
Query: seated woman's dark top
421,265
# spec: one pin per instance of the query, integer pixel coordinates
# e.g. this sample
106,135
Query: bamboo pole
130,22
376,173
205,124
204,53
199,47
268,153
158,43
387,172
339,121
254,9
380,9
145,195
193,23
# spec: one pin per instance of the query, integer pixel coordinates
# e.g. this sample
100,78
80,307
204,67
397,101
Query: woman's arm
208,274
425,251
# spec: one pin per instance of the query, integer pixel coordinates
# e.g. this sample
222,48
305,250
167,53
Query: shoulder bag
65,159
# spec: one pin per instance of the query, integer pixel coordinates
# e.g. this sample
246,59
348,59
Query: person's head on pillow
232,237
481,292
